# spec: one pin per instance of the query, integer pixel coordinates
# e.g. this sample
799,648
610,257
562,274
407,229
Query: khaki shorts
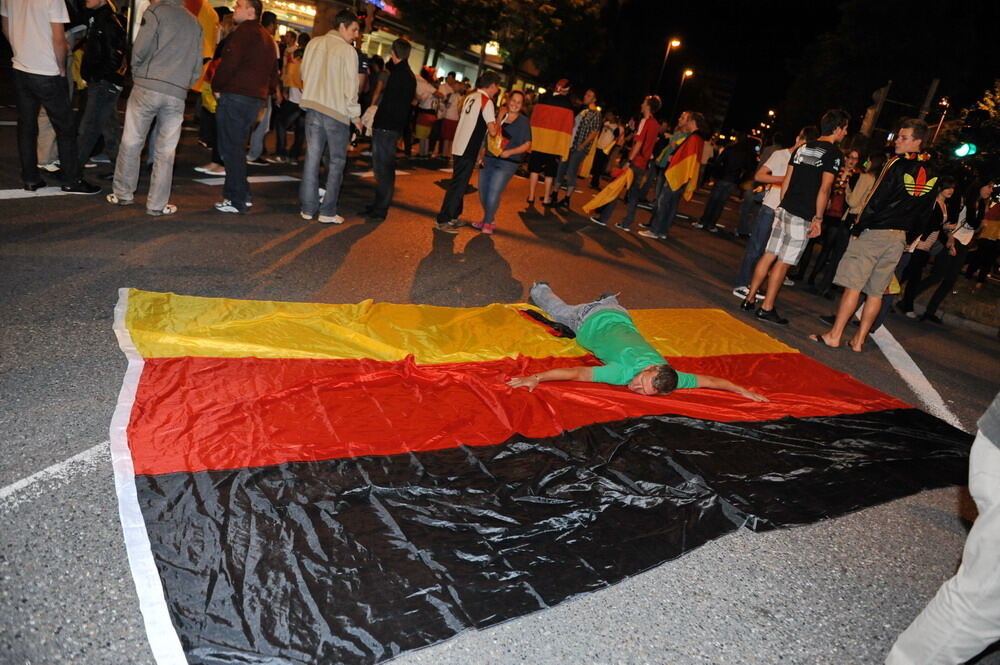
870,260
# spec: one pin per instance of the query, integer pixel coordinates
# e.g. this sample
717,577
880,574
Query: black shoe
81,187
771,316
367,210
828,319
34,186
749,305
933,318
561,203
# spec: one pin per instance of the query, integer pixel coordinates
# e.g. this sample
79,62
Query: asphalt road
834,592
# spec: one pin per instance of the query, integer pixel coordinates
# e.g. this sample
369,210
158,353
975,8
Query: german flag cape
552,129
682,170
309,483
611,191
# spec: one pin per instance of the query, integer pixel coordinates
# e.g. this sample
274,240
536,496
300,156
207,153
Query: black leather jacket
104,56
903,197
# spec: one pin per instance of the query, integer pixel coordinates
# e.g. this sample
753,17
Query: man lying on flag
605,328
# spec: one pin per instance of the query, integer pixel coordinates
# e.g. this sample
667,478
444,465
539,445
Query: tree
980,125
455,23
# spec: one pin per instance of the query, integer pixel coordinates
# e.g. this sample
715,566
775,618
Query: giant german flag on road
311,483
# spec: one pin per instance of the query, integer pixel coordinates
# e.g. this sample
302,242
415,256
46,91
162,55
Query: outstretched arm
716,383
561,374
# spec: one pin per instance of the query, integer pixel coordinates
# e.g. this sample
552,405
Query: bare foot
824,340
856,346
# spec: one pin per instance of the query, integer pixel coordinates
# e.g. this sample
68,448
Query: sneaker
646,233
488,229
306,216
260,161
697,225
91,164
714,229
598,221
623,228
211,169
448,227
741,292
101,159
771,316
911,314
330,219
34,186
748,306
51,167
225,205
276,159
789,282
81,187
477,225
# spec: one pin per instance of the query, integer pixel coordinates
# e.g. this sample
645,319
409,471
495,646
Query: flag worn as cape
310,483
552,129
610,192
685,163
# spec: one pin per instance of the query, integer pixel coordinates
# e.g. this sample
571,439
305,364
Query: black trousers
452,206
34,92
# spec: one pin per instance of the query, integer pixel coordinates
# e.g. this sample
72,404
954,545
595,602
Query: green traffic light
965,149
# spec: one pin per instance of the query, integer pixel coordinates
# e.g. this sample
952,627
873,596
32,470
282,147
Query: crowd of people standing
806,203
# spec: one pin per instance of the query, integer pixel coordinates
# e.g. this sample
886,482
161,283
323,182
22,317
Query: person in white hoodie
330,98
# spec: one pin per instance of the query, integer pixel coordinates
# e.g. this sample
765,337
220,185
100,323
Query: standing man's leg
963,618
666,210
597,168
260,133
28,105
384,166
315,149
451,206
235,115
755,245
139,114
54,96
338,136
99,120
169,117
949,275
633,196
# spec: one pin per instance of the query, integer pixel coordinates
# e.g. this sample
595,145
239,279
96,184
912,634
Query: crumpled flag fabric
306,483
610,192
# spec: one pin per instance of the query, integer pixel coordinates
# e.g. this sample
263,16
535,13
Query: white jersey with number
476,112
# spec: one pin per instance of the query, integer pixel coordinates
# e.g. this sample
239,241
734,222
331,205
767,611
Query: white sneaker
51,167
741,292
306,216
789,282
225,205
326,219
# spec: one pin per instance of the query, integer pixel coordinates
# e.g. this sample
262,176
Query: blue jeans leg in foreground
666,210
33,92
384,166
493,179
234,117
571,316
759,234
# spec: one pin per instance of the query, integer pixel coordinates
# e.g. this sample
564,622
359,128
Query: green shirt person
605,328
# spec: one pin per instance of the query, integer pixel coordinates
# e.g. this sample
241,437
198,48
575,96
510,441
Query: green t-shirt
612,336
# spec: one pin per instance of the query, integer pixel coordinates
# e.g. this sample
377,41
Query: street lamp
945,105
770,114
673,43
688,73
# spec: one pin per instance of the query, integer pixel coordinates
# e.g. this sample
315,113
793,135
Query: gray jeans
143,107
571,316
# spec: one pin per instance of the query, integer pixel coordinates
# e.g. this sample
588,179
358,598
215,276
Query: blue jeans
759,234
323,133
99,119
384,166
34,91
493,179
260,133
716,202
632,199
666,210
569,170
571,316
234,117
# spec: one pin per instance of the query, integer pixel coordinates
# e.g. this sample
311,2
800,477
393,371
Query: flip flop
818,339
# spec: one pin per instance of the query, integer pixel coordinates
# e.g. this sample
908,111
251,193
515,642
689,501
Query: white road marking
371,174
17,492
253,178
911,374
24,194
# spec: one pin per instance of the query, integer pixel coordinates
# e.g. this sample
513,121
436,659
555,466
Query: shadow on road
476,276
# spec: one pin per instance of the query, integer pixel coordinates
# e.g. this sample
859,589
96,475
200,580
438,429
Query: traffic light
965,150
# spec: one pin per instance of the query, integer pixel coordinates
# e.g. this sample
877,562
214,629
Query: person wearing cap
605,328
551,136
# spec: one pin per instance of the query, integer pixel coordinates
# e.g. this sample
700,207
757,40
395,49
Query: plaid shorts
789,237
